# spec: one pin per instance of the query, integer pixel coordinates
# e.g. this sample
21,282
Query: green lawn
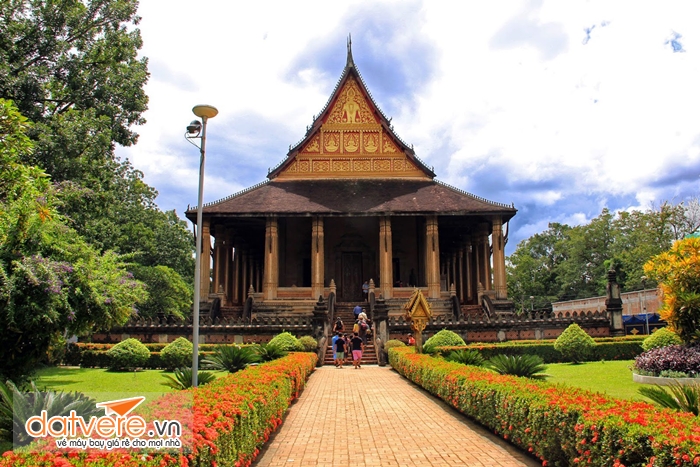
611,377
105,385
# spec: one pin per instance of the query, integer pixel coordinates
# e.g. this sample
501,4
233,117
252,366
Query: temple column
259,275
432,256
499,259
205,260
228,262
386,266
271,267
236,279
317,257
488,282
453,279
471,270
460,273
219,263
244,275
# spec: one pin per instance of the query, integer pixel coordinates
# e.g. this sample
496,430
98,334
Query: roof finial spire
350,61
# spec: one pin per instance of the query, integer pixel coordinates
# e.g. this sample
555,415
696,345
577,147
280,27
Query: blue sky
561,108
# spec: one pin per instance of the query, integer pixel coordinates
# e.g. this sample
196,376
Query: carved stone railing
164,325
506,321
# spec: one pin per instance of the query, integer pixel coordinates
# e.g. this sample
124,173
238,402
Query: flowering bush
678,274
231,420
560,425
680,358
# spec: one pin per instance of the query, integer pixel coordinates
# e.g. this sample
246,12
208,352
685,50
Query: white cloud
519,88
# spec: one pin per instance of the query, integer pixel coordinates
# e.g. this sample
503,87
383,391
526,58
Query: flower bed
232,418
560,425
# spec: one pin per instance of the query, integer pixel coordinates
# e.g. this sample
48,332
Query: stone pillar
460,273
244,275
485,259
219,262
499,259
470,274
236,279
228,262
386,267
271,267
454,267
205,260
317,257
432,256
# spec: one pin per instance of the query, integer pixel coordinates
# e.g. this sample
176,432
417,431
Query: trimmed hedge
560,425
233,418
606,350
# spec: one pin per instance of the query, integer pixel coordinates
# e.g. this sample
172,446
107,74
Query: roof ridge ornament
350,62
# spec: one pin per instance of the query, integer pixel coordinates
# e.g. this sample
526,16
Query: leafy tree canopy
51,280
566,263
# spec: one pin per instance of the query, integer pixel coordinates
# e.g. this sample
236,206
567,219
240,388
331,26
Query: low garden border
233,418
558,424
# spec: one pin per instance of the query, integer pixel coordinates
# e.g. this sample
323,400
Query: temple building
352,203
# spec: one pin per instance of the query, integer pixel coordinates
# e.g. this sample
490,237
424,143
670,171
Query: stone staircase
344,312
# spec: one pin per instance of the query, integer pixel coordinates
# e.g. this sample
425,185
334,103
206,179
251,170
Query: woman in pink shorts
357,346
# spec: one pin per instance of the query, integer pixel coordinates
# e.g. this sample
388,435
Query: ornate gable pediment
350,139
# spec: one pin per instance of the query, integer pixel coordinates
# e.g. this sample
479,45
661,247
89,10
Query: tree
51,280
168,294
678,273
72,68
533,267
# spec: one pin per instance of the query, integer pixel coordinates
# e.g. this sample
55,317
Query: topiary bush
128,355
177,354
287,342
442,338
391,343
574,344
661,338
676,358
308,343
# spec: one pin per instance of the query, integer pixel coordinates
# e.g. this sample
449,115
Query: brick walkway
374,417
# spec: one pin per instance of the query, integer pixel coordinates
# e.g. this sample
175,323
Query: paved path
374,417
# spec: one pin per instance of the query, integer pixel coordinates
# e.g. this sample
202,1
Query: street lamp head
205,111
194,128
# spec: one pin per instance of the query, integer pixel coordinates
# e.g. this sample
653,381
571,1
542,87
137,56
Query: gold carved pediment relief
351,107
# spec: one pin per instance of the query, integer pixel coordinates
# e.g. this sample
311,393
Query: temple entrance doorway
351,277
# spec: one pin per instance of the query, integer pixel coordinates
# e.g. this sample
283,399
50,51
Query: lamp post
644,301
198,130
532,303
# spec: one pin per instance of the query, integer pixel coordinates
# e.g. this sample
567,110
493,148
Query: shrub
529,366
677,271
441,339
681,398
182,378
17,407
308,343
562,426
661,338
574,343
287,342
128,355
177,354
391,343
231,358
465,357
270,351
681,358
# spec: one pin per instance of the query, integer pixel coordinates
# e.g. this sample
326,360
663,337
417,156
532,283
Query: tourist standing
335,338
356,311
362,331
365,291
339,352
357,347
338,326
411,340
